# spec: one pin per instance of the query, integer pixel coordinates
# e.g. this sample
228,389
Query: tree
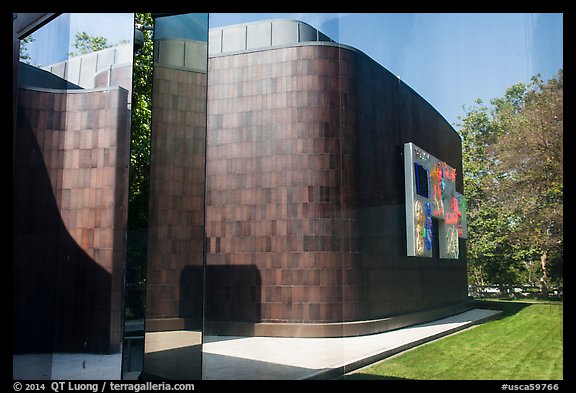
137,239
513,180
531,164
141,125
86,43
24,55
489,246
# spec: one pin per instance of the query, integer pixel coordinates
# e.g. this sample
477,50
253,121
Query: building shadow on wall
61,296
232,298
191,297
223,293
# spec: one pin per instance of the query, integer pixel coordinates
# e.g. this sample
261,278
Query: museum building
308,219
297,189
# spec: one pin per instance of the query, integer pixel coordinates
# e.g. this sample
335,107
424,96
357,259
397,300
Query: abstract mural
431,194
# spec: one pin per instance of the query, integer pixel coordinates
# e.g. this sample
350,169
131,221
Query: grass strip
524,343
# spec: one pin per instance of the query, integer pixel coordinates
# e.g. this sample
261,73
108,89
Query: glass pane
70,187
306,198
175,267
278,226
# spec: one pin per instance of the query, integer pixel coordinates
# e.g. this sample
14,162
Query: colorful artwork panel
431,194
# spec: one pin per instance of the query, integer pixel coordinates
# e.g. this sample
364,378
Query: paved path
66,366
272,358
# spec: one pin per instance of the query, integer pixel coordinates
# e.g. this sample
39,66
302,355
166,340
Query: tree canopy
513,181
136,255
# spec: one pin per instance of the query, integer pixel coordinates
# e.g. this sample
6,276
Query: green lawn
524,343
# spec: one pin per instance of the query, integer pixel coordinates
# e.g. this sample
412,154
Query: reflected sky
53,42
450,59
187,26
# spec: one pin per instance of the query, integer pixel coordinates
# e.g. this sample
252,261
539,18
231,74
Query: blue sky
115,27
449,59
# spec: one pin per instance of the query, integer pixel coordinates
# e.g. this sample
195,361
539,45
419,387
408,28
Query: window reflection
276,243
71,150
275,201
175,267
305,198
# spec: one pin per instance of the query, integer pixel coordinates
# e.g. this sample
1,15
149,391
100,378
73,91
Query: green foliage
136,255
141,126
86,43
490,249
24,55
513,181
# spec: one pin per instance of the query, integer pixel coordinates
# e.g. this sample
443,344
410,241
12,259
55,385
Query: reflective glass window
70,187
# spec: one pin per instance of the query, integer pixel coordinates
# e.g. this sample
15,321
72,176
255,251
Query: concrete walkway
273,358
66,366
259,358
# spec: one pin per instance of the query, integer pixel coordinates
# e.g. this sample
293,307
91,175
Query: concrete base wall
345,329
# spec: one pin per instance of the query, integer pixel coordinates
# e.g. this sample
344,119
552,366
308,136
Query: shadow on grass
507,307
511,307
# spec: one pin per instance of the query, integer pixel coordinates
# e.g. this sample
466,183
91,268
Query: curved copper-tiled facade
303,203
70,192
177,175
276,187
305,184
